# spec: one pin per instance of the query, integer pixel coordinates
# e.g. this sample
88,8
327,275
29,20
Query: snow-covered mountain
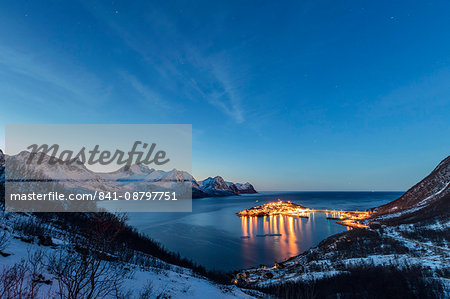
245,188
135,177
216,185
428,198
219,187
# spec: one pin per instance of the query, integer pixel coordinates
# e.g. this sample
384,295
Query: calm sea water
211,234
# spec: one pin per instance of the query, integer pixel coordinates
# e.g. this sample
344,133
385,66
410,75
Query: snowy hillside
39,259
428,198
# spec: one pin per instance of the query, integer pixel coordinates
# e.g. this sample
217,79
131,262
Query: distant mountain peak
218,186
215,183
136,169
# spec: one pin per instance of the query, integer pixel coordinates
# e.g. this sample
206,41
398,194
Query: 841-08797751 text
136,195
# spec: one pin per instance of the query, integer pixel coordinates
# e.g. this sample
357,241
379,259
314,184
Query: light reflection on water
212,234
296,235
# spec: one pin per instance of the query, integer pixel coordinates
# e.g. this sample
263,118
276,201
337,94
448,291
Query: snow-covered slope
428,198
72,176
25,261
420,246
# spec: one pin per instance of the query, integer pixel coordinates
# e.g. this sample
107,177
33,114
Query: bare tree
35,267
105,228
89,270
147,291
19,281
84,275
4,239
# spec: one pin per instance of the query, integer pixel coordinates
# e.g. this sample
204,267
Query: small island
277,208
287,208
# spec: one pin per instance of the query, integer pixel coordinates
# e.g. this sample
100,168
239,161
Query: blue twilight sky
304,95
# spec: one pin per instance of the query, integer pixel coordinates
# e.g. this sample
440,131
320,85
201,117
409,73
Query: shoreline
286,208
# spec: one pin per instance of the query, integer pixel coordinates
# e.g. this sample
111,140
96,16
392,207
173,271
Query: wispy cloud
146,92
233,106
185,68
224,94
79,84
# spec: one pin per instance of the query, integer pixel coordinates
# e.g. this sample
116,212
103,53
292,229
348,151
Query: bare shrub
5,236
31,226
147,291
90,270
364,281
20,280
12,282
104,229
84,275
